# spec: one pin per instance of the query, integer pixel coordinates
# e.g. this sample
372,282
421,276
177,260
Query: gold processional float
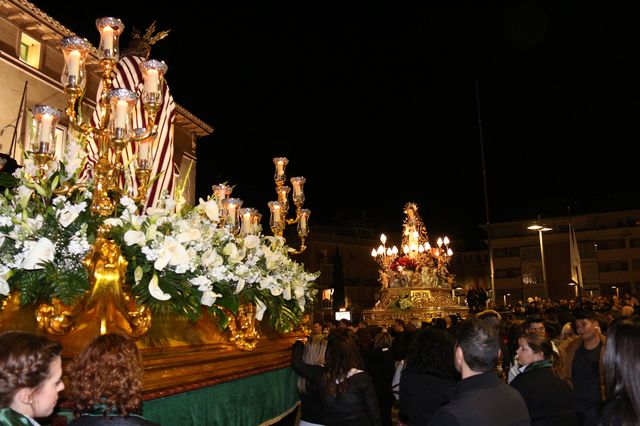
415,284
188,283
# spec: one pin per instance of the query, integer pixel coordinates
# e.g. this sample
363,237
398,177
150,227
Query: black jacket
483,400
549,400
356,406
421,395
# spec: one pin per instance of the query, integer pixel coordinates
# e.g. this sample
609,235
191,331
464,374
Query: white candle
121,114
45,129
107,38
296,188
143,155
280,168
151,81
276,215
74,64
246,223
303,222
231,214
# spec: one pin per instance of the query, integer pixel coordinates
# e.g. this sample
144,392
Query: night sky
375,104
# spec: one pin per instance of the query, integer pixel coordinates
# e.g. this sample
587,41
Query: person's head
627,311
341,356
364,339
533,347
431,352
316,328
382,340
567,331
621,367
398,326
477,347
587,326
30,373
343,324
490,316
534,324
439,323
107,373
313,354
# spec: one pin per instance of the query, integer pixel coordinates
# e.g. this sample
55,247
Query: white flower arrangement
178,258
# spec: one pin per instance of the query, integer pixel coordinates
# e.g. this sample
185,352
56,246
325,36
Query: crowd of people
568,363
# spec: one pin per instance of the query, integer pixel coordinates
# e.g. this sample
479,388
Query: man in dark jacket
481,398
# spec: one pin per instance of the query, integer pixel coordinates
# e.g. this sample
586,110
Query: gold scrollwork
243,328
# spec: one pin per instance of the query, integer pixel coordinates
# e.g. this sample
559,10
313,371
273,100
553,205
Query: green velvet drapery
249,401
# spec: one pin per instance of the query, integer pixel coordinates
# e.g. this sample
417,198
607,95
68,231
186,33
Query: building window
29,51
611,244
508,273
588,249
613,266
506,252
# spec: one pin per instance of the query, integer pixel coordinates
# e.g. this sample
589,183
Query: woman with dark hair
347,392
542,385
307,361
348,395
622,376
106,383
30,377
428,379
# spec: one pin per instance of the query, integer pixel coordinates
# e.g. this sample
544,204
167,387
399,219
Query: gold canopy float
82,258
417,283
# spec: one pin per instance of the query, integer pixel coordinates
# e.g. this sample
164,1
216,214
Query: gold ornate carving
243,328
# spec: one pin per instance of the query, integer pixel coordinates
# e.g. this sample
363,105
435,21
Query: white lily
239,286
137,274
113,222
211,258
171,252
251,241
209,297
42,251
210,209
261,308
156,291
66,216
189,235
237,255
132,237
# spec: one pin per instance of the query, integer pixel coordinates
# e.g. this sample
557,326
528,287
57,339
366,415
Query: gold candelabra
246,221
108,303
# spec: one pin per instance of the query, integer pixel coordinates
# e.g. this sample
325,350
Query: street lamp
541,229
505,299
575,286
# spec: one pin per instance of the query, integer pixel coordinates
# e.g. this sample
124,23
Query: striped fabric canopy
128,75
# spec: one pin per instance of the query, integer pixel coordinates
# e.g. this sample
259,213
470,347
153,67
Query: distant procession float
415,284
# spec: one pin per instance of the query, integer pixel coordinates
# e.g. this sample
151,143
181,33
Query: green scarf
539,364
8,417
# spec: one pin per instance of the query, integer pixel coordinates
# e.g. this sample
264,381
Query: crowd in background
570,362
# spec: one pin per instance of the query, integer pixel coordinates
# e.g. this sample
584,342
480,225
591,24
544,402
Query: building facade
30,57
609,246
